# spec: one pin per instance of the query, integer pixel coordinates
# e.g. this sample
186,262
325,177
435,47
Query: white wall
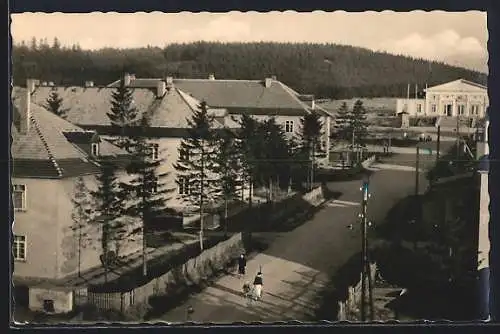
467,99
411,106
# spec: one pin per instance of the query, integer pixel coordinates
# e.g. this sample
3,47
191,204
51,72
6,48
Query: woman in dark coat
242,263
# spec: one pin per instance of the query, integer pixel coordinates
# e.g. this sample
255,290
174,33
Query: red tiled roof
45,150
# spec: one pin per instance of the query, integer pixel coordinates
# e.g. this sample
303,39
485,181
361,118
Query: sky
457,38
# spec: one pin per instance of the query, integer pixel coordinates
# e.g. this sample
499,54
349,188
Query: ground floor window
19,248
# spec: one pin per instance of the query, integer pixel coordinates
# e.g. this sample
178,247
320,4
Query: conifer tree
108,200
54,104
147,189
228,169
343,123
81,217
196,164
123,116
310,135
358,123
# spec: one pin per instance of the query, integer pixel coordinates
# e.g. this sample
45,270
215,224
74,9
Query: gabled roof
52,146
460,85
238,96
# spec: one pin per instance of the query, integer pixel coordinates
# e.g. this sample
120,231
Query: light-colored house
456,98
259,98
167,106
49,155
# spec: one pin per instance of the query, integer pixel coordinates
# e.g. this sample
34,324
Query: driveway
298,264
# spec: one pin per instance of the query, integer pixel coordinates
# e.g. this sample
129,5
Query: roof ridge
295,97
184,98
44,142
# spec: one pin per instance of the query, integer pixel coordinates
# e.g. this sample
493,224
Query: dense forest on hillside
326,70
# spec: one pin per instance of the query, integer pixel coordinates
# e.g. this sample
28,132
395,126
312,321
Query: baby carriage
248,290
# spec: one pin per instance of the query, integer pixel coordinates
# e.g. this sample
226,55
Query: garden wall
191,272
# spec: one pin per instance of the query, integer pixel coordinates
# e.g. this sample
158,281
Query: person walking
258,283
242,263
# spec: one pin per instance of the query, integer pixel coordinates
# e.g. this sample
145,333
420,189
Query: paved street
298,264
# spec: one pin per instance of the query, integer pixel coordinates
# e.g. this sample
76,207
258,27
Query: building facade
455,98
49,156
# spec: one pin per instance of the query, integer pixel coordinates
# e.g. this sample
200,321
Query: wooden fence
191,272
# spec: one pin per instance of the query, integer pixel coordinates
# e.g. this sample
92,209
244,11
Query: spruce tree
227,167
358,123
249,145
123,116
343,123
108,200
310,135
147,189
196,164
81,217
54,104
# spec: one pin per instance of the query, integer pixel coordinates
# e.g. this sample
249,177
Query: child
258,283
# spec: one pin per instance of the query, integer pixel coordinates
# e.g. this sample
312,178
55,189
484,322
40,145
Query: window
95,149
19,197
288,126
474,109
433,108
183,186
184,155
19,248
154,185
461,109
419,108
155,151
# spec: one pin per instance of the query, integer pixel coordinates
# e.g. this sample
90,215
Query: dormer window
95,149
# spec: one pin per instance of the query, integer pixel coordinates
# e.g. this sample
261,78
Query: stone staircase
451,122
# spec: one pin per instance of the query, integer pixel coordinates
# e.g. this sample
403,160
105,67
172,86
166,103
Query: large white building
455,98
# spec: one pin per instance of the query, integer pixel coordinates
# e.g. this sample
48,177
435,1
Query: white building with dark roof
49,154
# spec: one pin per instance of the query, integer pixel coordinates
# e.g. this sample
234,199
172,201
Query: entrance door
448,109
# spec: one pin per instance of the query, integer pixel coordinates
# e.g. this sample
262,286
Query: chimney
25,113
89,84
267,82
161,88
211,76
169,81
126,79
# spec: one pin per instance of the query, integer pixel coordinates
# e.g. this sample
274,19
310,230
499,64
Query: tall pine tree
343,123
54,104
196,164
81,217
228,170
109,201
310,136
147,189
358,123
123,116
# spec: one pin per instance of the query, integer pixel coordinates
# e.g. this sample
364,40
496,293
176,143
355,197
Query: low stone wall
315,196
191,272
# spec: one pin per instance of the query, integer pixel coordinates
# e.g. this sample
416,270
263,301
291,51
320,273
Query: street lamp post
366,272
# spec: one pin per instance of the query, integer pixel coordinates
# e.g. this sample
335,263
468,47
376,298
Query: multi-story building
49,155
456,98
261,99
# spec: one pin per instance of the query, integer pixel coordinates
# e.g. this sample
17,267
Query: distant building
455,98
259,98
49,155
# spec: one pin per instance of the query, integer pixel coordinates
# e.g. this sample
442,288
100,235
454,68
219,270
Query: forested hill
326,70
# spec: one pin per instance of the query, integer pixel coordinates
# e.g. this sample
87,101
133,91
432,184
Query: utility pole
458,136
438,146
417,167
366,272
